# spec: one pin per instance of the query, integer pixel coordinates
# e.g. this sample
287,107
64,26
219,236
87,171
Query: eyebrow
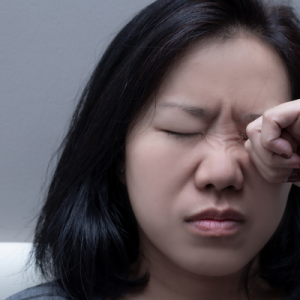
248,118
192,110
204,113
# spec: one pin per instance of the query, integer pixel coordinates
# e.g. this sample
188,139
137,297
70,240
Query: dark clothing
46,291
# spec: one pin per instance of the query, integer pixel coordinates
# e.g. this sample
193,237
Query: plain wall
48,49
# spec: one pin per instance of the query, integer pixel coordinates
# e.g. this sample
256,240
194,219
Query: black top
46,291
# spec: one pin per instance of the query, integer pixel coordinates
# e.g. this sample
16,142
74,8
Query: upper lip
217,214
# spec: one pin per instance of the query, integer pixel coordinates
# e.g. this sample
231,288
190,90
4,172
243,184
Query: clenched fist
273,143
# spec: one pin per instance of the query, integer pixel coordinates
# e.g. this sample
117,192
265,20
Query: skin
273,135
170,178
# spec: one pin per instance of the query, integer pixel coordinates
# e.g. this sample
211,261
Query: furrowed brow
204,113
248,118
195,111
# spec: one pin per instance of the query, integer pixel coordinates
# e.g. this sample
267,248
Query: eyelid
180,135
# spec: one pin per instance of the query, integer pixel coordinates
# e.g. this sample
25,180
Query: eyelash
178,135
182,136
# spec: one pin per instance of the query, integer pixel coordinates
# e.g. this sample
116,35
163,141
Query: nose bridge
222,159
220,167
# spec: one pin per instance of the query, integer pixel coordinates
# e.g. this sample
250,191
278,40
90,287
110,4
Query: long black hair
86,236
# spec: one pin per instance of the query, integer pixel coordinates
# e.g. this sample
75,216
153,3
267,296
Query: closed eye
179,135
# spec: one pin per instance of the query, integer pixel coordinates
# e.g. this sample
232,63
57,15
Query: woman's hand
273,143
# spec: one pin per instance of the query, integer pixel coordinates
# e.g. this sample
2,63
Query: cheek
266,204
267,201
156,176
152,175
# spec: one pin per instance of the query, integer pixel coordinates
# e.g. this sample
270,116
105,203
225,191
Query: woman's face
183,187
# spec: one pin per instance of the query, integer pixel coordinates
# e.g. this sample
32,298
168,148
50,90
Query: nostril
209,185
230,187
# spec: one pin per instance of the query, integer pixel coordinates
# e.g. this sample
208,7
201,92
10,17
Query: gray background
47,51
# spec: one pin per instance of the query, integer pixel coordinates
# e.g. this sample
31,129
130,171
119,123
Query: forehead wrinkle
201,112
204,113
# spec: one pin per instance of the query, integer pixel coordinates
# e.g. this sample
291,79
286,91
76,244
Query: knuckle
268,115
250,129
267,143
248,145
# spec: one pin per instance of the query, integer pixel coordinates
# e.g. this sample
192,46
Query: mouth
214,222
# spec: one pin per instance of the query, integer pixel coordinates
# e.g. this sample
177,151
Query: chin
217,266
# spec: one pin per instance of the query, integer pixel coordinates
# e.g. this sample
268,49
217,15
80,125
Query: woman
175,180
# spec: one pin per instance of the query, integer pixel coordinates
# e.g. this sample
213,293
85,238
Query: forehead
243,74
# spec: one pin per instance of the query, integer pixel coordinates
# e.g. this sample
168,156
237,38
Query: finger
273,121
294,130
294,173
286,135
294,176
271,174
278,145
269,158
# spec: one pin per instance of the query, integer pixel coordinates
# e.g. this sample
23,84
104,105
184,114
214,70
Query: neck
167,281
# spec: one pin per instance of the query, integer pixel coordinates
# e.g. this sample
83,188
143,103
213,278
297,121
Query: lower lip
210,227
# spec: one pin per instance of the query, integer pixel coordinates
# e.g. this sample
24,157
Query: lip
215,222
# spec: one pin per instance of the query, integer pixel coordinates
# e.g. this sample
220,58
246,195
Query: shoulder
46,291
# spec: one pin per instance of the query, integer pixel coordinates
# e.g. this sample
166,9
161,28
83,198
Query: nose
220,170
